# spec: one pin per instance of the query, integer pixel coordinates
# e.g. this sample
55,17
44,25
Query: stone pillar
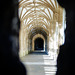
66,60
26,43
9,39
48,43
21,40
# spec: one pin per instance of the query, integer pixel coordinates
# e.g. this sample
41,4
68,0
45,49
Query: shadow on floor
39,52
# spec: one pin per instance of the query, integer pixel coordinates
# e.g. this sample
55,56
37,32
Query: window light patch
30,26
45,20
44,26
51,13
20,9
27,20
47,12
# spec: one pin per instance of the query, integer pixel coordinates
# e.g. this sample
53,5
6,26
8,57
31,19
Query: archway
36,37
38,33
39,44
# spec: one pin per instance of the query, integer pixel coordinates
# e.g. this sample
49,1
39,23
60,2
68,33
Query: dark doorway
39,44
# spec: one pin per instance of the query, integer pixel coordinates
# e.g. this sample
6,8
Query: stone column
21,40
48,43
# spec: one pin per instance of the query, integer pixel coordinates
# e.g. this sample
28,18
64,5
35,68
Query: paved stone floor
39,63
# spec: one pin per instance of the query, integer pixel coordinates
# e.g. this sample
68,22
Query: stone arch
35,37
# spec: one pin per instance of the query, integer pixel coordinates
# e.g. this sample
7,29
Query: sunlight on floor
40,64
51,69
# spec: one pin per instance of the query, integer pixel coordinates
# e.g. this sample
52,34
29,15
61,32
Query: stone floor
39,63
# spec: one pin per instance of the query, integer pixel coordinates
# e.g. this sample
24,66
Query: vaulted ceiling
38,13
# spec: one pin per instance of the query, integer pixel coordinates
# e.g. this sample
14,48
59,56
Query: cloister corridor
41,35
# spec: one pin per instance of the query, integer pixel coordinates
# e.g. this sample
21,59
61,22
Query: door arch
39,44
33,41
